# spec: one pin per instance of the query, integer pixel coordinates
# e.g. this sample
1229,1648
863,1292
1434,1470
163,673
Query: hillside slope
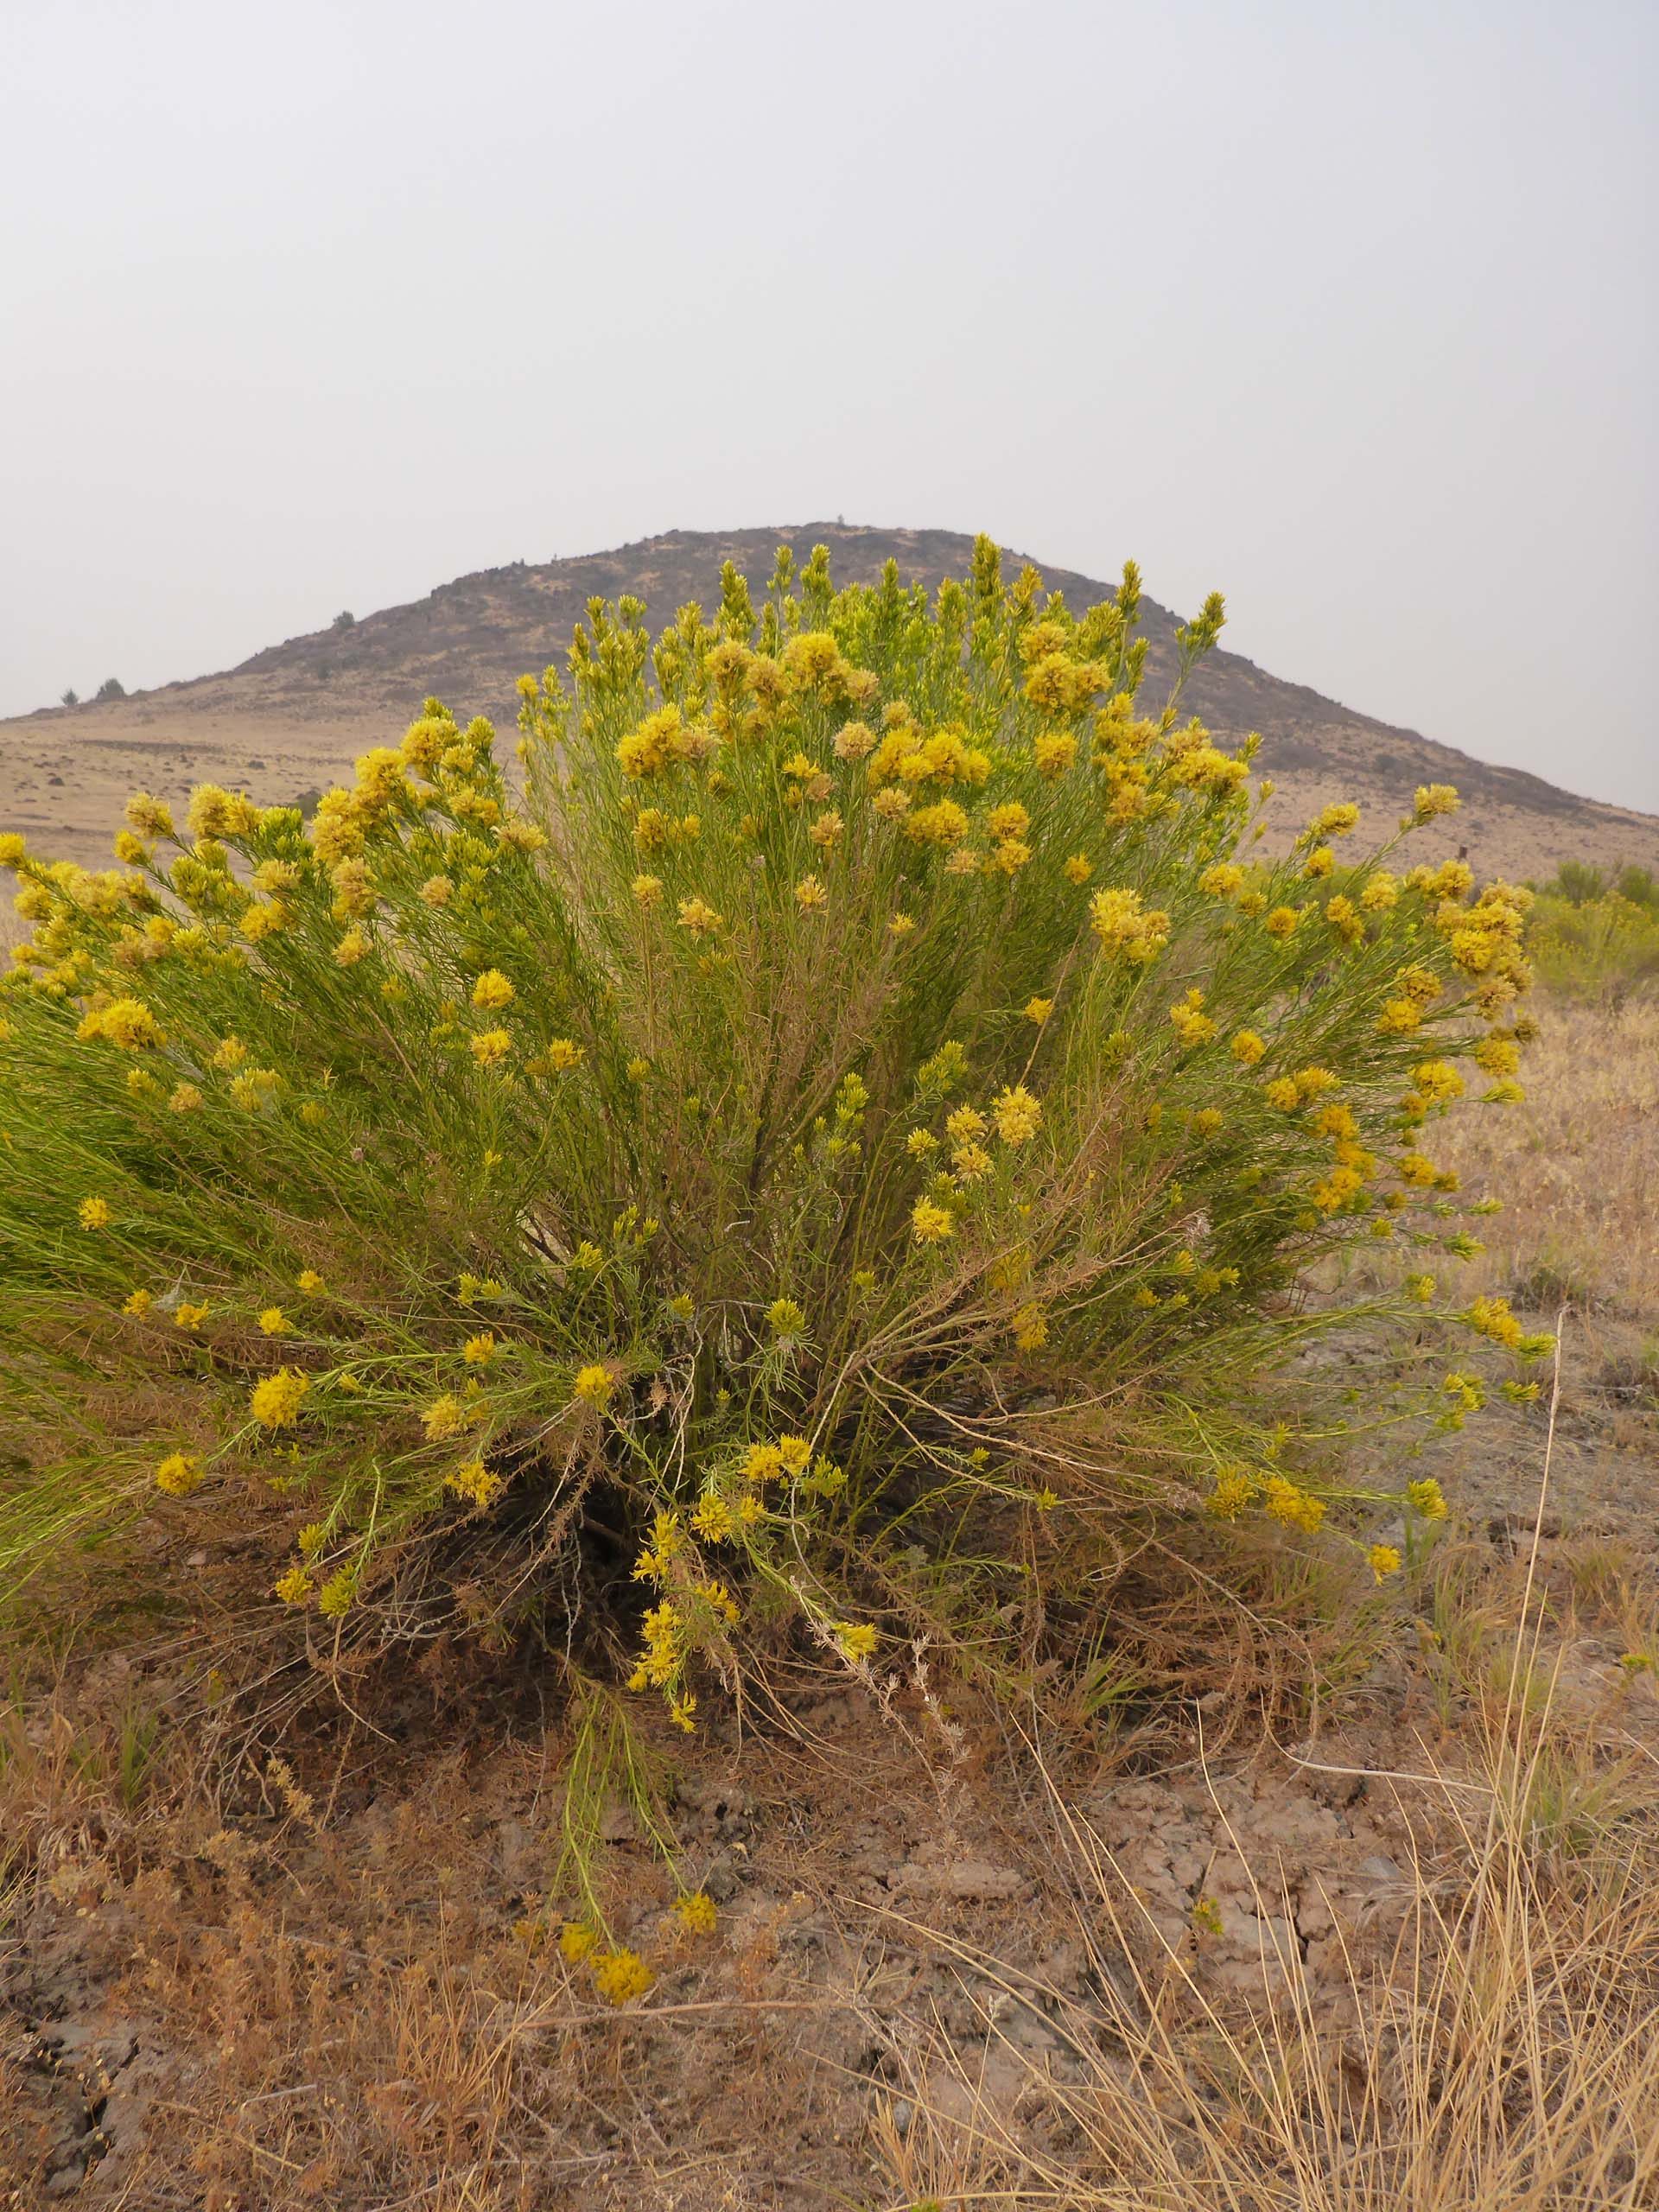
291,718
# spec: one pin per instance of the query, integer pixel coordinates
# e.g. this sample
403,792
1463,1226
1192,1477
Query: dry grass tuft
1499,2055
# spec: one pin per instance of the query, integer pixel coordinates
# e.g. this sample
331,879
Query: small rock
977,1877
1379,1871
720,1881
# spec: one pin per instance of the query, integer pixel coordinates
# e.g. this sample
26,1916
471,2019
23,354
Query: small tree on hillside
110,687
71,698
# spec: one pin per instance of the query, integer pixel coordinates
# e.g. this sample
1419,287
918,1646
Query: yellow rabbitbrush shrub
849,1122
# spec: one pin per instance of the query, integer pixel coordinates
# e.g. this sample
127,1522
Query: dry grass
1501,2054
1577,1166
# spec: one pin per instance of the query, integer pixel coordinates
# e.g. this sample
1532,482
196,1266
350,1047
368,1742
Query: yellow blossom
1030,1326
761,1463
178,1474
712,1518
1191,1024
856,1638
492,991
93,1213
337,1592
621,1976
1017,1114
594,1384
1490,1316
274,1402
151,817
127,1023
1052,753
1285,1501
474,1482
1497,1056
444,1418
1439,1081
1433,799
1124,926
577,1941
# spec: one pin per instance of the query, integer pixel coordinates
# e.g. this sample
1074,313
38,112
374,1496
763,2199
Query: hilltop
291,718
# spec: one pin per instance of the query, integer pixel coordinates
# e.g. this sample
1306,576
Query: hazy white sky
1350,310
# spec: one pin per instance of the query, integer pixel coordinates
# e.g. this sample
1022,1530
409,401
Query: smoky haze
1348,311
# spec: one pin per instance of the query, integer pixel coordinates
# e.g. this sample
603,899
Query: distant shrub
110,687
1577,884
852,1132
70,698
1599,947
344,621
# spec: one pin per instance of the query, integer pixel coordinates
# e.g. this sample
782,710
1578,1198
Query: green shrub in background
844,1126
1591,938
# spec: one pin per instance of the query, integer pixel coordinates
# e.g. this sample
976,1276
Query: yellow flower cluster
127,1023
1125,927
276,1402
1192,1025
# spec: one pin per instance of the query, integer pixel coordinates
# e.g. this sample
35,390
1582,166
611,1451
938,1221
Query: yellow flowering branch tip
276,1402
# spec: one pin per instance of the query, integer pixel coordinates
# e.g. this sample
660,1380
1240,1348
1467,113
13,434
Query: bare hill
291,718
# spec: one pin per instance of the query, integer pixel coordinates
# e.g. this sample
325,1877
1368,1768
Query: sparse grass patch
1576,1165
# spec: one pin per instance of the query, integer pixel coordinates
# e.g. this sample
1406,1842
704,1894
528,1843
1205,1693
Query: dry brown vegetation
1368,1916
1577,1171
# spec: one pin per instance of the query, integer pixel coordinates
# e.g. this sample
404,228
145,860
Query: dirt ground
331,1978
